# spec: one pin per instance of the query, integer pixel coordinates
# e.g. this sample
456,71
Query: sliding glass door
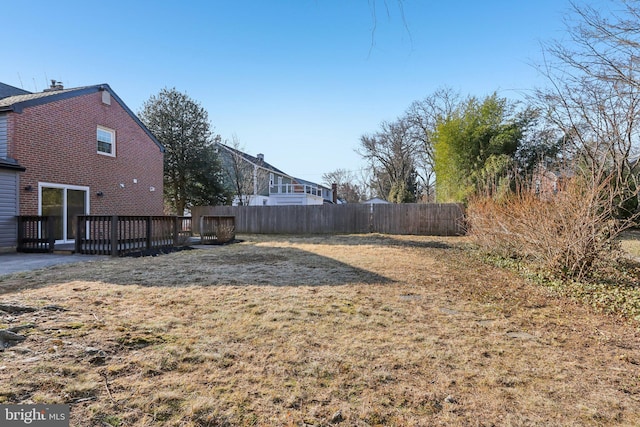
52,205
64,203
76,205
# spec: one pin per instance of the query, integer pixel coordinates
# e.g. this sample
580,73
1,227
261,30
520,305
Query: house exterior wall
264,180
8,208
3,136
327,194
546,183
56,143
295,199
251,200
254,179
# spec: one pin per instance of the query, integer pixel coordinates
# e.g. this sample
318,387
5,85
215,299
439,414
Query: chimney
55,85
260,157
334,190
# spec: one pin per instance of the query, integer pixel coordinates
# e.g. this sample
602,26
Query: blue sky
299,80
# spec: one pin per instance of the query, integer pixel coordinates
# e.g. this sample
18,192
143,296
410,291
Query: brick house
65,152
548,181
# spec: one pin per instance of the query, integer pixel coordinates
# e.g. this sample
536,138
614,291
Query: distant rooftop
256,160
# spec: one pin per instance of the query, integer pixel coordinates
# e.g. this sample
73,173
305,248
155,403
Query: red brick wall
56,143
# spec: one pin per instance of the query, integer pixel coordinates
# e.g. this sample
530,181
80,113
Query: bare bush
225,233
569,235
183,239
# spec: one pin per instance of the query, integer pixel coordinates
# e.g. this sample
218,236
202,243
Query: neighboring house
548,181
325,192
67,152
258,183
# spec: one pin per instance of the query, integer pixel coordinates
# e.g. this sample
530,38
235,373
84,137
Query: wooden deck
116,235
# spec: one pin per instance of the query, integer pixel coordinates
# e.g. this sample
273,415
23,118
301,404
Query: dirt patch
158,251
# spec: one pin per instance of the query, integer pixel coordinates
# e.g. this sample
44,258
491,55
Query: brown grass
630,241
388,330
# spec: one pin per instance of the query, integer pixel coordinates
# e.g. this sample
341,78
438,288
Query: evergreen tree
192,172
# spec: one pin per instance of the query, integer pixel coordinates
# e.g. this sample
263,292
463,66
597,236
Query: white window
106,141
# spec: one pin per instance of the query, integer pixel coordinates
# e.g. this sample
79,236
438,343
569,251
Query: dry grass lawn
315,331
631,242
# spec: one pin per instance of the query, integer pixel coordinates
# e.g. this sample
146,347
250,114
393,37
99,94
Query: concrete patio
20,262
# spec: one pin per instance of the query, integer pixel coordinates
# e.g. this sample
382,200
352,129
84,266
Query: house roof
305,182
19,101
264,165
8,90
255,160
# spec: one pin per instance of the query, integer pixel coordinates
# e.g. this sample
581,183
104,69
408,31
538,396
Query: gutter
12,165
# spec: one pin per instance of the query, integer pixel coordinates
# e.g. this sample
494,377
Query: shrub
570,234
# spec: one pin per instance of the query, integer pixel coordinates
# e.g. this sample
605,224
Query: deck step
64,251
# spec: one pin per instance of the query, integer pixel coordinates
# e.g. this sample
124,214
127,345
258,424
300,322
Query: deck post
176,231
79,234
149,230
20,223
51,240
114,236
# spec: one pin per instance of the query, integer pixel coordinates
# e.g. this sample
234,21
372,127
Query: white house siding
251,200
293,199
8,208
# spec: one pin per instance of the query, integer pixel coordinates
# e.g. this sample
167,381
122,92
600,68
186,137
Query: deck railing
36,233
295,189
119,235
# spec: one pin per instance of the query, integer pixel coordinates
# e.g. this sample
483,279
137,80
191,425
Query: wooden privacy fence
119,235
442,219
35,233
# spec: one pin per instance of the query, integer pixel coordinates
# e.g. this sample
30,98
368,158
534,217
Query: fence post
79,235
175,231
371,218
149,230
20,224
50,237
114,235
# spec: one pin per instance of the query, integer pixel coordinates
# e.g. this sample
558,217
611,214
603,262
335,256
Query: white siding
8,208
292,199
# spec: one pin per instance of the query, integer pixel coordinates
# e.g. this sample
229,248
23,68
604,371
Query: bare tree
374,7
349,188
594,97
238,172
423,117
594,100
391,153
